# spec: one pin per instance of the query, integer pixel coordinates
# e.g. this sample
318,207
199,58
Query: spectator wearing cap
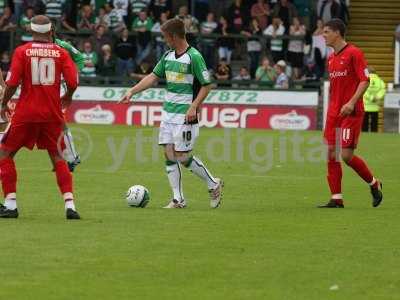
262,12
142,25
295,49
161,46
125,50
282,80
208,44
274,31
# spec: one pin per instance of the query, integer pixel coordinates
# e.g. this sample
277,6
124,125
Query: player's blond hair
174,27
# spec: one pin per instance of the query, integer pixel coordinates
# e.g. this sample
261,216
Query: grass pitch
267,241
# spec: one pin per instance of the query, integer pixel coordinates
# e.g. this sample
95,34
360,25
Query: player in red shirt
38,119
348,77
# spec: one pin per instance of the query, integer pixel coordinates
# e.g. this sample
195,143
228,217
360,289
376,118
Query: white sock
337,197
198,168
174,175
69,201
372,182
11,201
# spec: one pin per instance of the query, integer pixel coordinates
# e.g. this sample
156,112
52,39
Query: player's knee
169,153
346,157
184,158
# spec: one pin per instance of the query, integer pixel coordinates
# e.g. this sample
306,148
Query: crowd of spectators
274,42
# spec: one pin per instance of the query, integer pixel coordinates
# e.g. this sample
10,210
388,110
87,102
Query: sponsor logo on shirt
336,74
175,77
206,75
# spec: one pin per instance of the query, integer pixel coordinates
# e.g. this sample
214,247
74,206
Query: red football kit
38,118
347,69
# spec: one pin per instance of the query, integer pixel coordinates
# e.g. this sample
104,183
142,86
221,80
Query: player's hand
191,114
126,98
65,102
347,109
5,113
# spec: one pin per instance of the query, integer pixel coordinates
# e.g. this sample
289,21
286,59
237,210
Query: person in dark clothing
125,51
107,62
238,16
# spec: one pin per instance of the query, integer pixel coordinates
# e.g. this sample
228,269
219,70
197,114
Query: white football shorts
182,136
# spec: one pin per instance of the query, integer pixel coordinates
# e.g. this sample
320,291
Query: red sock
64,177
8,175
334,176
358,165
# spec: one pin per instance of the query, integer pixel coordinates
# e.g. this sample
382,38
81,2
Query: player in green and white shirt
71,155
188,84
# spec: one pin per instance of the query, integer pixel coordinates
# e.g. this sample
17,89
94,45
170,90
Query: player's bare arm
143,84
66,99
191,114
348,108
8,93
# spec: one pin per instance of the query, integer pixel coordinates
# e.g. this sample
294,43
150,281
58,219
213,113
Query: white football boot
176,204
216,194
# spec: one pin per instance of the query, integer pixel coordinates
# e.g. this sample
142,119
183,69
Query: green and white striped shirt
184,74
2,5
89,71
138,5
54,8
26,36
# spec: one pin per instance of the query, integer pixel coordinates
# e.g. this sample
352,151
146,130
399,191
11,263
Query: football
137,196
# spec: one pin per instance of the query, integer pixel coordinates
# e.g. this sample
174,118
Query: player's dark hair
337,25
174,27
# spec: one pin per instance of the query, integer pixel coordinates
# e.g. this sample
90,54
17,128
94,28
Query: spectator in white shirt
274,31
282,81
295,49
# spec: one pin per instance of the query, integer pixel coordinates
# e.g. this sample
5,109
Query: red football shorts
343,131
48,135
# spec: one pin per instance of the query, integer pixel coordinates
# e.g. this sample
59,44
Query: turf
267,241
